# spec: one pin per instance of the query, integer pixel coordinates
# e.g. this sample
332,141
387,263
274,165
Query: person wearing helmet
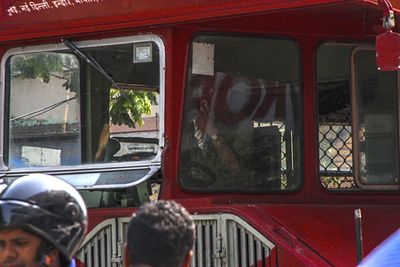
43,221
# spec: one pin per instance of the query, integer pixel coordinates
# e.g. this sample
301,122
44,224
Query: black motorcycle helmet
47,207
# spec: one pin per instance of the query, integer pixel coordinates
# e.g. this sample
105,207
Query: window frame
359,186
153,164
300,104
355,124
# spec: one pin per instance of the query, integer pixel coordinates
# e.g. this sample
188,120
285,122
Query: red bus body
309,226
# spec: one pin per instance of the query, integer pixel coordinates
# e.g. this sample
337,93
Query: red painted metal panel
329,230
33,19
314,235
287,259
388,51
305,235
395,3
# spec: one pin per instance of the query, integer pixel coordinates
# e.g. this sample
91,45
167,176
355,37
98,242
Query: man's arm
205,122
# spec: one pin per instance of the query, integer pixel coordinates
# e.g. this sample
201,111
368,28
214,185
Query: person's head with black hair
43,221
160,234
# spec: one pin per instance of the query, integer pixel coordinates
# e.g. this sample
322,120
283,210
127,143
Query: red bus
267,119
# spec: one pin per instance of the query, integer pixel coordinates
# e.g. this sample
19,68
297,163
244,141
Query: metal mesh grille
335,155
284,182
335,150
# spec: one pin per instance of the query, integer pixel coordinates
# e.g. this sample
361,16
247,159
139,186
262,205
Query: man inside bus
42,223
224,132
160,234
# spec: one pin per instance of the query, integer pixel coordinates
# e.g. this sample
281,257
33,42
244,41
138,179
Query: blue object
385,254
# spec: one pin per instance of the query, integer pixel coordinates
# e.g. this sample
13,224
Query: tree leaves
128,106
45,65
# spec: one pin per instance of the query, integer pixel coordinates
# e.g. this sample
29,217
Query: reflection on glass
334,116
377,121
241,127
132,131
65,112
44,110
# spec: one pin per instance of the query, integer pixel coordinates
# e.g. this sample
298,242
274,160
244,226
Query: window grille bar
243,249
199,251
208,246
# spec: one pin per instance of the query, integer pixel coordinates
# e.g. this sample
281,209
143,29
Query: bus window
353,94
242,125
85,103
375,117
44,110
334,118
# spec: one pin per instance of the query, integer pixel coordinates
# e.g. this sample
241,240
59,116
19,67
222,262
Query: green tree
128,106
43,66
